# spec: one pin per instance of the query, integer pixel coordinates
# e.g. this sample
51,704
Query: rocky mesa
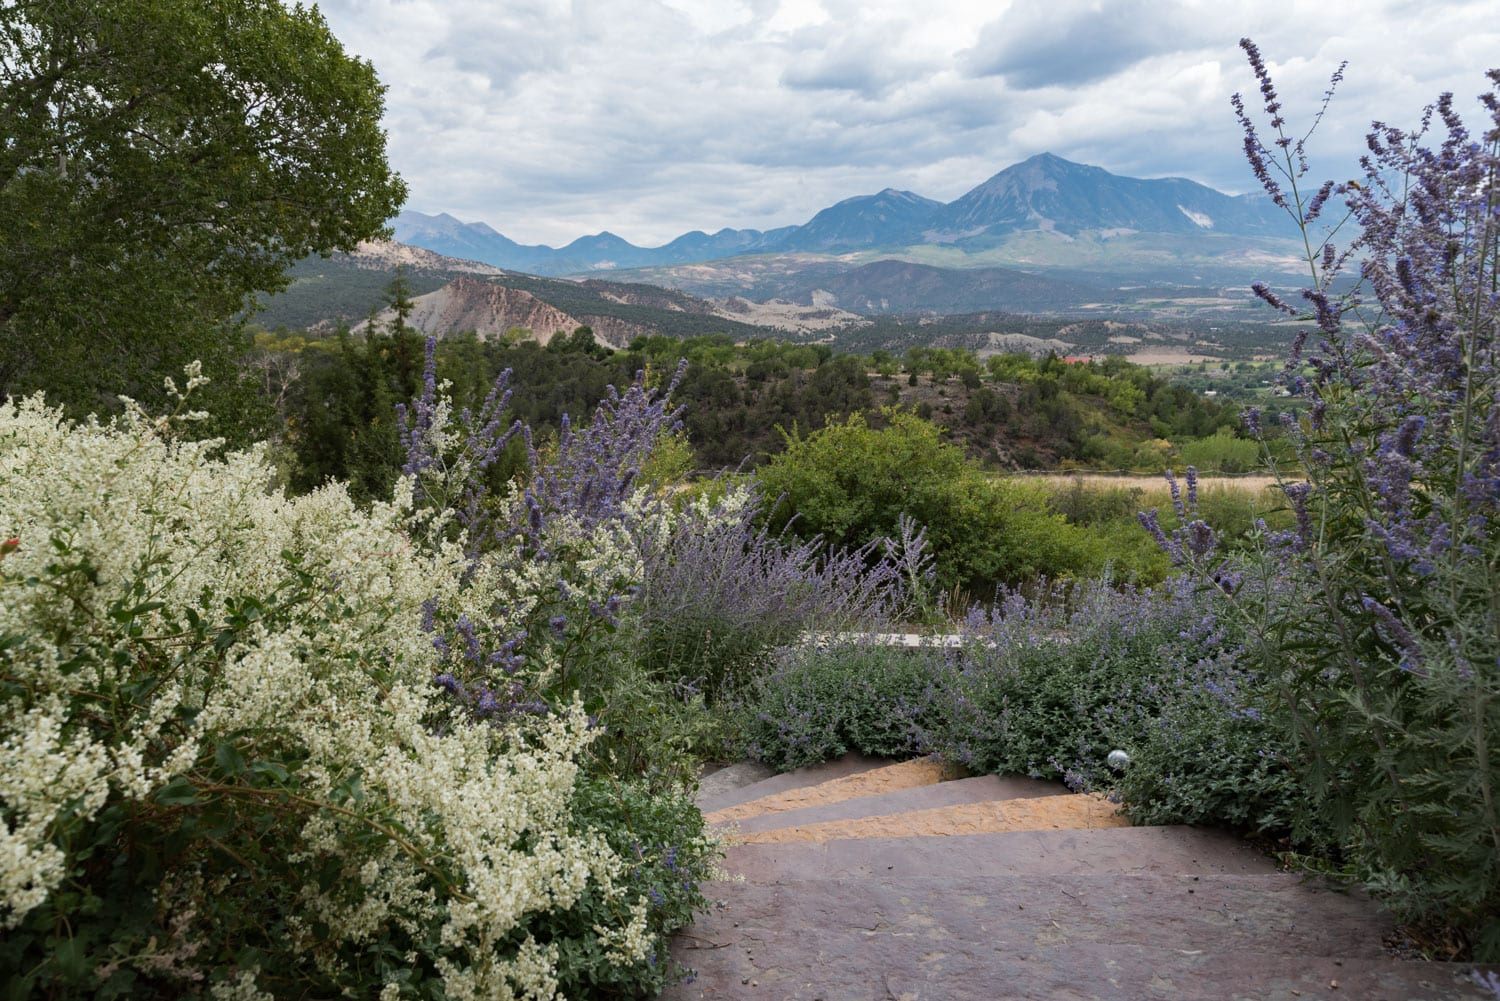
491,310
488,309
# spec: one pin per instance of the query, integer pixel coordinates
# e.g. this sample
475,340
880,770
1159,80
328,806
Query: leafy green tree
1222,452
851,483
580,341
402,342
343,424
161,161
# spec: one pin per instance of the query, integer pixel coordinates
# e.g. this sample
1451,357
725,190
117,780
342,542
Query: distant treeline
326,291
336,398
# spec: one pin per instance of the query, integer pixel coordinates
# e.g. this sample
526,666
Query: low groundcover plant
1047,685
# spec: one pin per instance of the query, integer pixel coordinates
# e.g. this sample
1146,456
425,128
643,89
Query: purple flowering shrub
1048,686
1383,630
721,591
584,584
586,580
552,567
817,702
553,561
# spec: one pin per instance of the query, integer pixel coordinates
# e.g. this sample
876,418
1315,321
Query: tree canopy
160,162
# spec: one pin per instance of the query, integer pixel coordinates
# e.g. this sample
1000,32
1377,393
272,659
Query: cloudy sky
550,119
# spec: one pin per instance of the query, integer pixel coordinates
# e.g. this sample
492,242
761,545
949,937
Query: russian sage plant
720,591
585,580
1383,627
553,560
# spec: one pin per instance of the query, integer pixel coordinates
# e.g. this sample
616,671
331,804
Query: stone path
860,879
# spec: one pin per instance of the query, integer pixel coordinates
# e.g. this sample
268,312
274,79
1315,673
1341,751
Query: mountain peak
1045,192
887,218
1049,193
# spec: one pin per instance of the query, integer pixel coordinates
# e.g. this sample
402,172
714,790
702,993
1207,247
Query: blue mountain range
1045,192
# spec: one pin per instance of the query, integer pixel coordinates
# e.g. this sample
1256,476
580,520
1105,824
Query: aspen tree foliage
225,768
161,162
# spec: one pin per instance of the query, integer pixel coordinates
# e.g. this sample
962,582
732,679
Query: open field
1253,485
1227,502
1173,356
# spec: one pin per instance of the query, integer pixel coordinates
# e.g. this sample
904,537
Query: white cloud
1057,43
550,119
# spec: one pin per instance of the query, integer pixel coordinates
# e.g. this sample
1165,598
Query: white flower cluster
40,775
126,534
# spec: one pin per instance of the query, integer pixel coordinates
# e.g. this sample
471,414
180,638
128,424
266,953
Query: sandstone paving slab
866,782
827,969
1174,849
721,781
979,789
1273,915
1081,937
1036,813
849,764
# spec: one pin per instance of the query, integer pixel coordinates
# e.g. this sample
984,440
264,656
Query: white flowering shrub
226,770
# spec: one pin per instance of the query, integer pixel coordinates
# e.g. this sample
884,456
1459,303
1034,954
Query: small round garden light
1117,760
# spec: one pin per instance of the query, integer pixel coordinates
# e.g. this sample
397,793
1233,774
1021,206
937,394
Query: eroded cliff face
615,332
489,310
386,255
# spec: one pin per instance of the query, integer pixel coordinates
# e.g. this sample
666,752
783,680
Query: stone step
1036,813
1277,914
720,780
979,789
953,912
1040,854
849,764
885,777
865,966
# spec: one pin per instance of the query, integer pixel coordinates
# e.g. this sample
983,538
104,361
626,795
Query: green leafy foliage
663,838
1015,411
851,483
162,162
1222,452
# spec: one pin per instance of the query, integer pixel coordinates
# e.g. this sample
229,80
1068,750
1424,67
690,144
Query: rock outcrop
490,310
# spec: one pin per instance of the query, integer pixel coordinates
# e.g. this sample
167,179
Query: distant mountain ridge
1045,193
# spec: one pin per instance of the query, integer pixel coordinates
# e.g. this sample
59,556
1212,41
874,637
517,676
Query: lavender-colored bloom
1193,541
1298,494
482,439
719,591
1395,633
1315,208
596,467
1264,292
